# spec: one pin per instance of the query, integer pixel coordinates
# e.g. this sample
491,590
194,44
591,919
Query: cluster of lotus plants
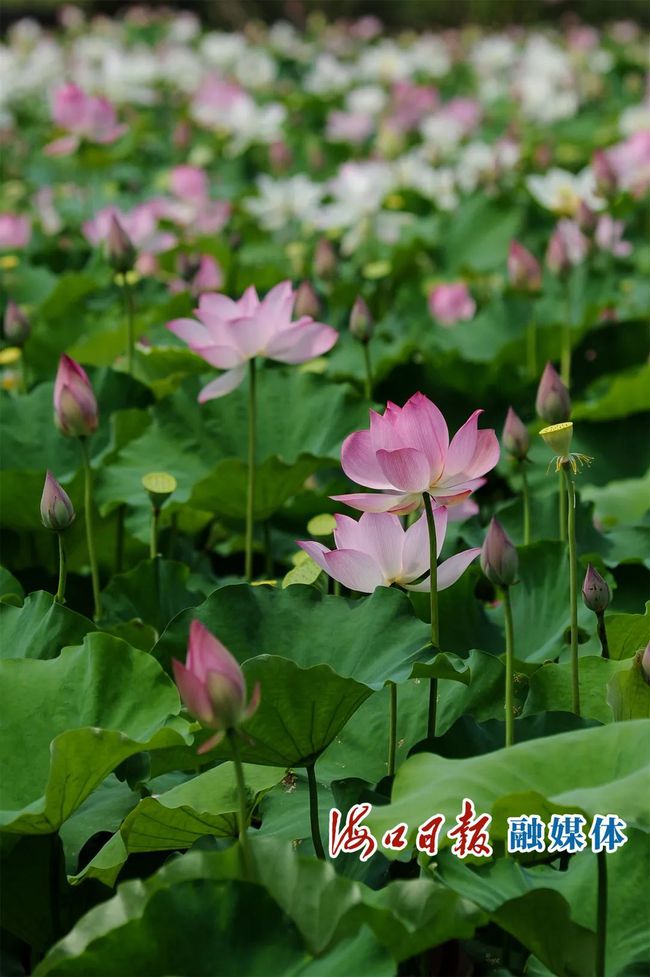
324,512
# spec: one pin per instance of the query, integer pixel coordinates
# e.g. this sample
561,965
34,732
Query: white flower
441,133
327,75
280,201
635,119
562,192
385,62
222,50
255,68
366,100
429,55
358,190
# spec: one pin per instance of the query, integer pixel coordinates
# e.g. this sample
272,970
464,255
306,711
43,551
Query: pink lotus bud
499,560
280,155
57,511
556,257
515,437
585,217
75,407
645,663
189,183
119,248
306,301
324,259
16,324
212,685
567,246
451,303
553,403
361,324
595,591
604,173
524,270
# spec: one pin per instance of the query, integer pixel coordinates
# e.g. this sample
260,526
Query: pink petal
448,572
247,334
255,700
380,535
62,147
316,551
421,425
249,302
207,654
219,308
211,743
405,468
193,692
302,341
380,501
277,305
354,570
191,332
223,384
462,447
486,455
223,357
359,461
415,554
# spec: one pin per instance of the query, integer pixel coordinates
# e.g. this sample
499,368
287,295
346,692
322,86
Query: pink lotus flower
75,406
230,333
15,231
84,117
191,206
377,551
567,246
407,452
630,161
410,104
450,304
466,111
189,183
140,224
352,127
212,685
524,270
609,236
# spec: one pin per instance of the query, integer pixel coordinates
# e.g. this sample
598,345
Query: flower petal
471,453
359,461
421,425
302,341
415,552
380,535
354,570
380,501
191,332
316,551
193,692
448,572
223,384
405,468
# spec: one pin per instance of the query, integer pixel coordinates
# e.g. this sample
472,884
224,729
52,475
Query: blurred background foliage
397,14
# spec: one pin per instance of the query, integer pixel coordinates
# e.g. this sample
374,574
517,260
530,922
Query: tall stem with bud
573,587
250,487
90,536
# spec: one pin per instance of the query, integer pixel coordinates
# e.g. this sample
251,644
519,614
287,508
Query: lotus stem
601,918
63,571
433,605
510,654
573,580
313,812
153,540
250,490
119,538
243,802
563,510
392,726
565,341
368,364
90,538
525,498
602,634
130,328
531,349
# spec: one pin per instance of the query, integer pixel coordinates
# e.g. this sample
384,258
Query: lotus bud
557,259
595,591
16,324
524,270
515,437
361,324
499,560
212,685
75,407
604,173
119,248
57,511
188,265
324,259
553,403
307,303
645,663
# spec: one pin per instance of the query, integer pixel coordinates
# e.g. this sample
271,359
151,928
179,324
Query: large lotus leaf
503,888
540,605
627,633
71,720
372,640
615,396
205,805
628,692
325,907
154,592
479,235
40,628
550,687
103,811
526,779
194,441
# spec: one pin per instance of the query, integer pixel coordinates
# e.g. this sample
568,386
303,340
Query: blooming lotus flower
212,685
407,452
229,333
140,224
189,182
630,161
84,117
75,407
524,270
562,192
57,511
609,237
377,551
15,231
450,304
